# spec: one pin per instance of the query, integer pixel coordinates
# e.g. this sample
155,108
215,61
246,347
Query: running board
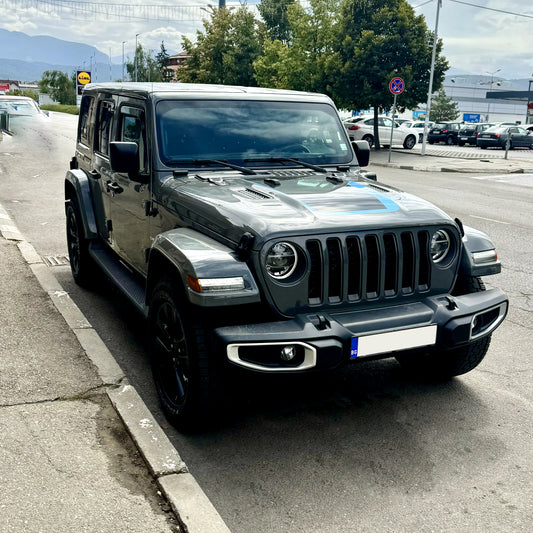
122,277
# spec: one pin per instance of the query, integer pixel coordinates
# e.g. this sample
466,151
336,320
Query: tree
162,60
443,108
144,66
30,93
225,51
59,86
274,13
382,39
310,61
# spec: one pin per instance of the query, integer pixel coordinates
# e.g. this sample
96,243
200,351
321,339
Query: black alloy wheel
183,371
81,264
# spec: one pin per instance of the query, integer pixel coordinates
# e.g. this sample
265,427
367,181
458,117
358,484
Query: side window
132,129
103,127
387,122
87,103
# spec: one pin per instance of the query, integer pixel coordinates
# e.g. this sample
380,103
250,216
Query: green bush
60,108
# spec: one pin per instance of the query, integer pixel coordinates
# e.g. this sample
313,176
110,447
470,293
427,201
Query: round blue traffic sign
396,86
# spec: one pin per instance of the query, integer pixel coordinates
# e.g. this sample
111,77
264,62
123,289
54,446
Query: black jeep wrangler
240,223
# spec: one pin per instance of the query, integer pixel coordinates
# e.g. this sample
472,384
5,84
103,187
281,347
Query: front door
130,195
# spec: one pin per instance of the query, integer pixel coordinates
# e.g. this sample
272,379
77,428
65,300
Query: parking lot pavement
455,159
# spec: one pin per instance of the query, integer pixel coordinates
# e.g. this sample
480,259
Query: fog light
288,353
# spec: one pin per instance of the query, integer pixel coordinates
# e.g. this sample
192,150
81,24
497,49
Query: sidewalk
79,450
453,161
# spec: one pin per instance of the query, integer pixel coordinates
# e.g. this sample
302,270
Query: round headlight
281,260
440,245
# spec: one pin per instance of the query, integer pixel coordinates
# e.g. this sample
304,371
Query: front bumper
319,341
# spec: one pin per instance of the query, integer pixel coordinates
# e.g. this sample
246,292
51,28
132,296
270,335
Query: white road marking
491,220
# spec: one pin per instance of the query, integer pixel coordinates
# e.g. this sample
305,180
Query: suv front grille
368,266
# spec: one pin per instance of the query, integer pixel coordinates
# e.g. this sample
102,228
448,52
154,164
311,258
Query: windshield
243,131
18,107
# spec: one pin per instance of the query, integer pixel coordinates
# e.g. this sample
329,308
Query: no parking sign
396,86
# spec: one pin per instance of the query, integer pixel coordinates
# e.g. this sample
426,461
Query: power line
493,9
118,12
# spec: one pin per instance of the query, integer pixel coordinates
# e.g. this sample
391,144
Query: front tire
369,139
435,364
449,141
181,358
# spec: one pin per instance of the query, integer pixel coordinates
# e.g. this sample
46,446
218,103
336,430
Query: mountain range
24,58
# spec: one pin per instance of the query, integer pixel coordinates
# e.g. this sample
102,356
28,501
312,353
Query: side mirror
124,157
362,152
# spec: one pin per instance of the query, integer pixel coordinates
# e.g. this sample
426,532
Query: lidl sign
83,77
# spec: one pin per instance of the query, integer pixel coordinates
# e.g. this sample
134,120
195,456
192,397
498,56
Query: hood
295,202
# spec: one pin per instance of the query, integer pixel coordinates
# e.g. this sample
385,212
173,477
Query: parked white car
418,125
362,128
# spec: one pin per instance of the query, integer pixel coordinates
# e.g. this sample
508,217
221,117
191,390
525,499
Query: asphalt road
364,448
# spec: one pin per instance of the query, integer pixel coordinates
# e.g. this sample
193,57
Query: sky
476,40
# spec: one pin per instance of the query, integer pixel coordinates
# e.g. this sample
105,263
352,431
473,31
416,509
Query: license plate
393,341
463,138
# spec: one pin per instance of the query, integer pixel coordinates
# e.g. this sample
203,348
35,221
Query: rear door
101,173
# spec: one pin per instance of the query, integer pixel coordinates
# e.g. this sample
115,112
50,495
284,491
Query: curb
193,509
466,170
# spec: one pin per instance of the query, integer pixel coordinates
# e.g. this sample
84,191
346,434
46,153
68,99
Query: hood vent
252,194
288,173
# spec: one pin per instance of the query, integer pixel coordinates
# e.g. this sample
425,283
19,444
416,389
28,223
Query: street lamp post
123,43
491,82
135,56
431,72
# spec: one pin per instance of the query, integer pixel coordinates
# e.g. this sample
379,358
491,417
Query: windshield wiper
290,159
244,170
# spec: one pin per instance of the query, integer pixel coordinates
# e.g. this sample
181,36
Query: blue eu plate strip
354,348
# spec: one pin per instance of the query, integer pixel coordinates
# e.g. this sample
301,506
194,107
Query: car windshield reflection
241,132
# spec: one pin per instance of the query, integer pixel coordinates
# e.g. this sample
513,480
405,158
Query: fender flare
199,256
475,241
79,182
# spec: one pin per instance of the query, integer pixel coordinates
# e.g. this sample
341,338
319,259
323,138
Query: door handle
113,188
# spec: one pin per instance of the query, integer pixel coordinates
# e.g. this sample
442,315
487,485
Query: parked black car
248,241
469,133
444,132
499,136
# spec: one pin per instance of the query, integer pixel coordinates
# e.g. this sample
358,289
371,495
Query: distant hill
25,58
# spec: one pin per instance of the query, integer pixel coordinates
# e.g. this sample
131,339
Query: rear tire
182,360
82,265
409,142
435,364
